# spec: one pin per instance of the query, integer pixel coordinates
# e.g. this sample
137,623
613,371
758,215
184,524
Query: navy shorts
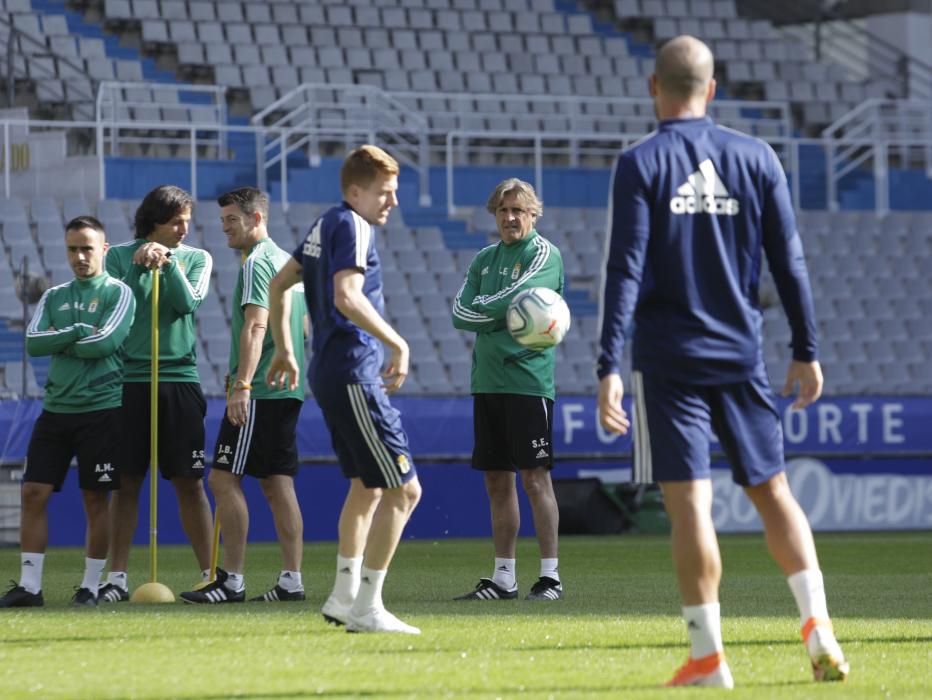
182,408
512,432
92,437
367,434
673,424
265,445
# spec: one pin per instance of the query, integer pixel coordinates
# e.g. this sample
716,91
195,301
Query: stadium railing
60,78
120,104
879,131
868,142
467,147
416,125
311,113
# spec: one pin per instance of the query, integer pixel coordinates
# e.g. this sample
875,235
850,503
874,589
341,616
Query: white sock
504,574
93,568
704,624
290,581
234,582
346,584
550,568
809,592
30,571
118,579
369,595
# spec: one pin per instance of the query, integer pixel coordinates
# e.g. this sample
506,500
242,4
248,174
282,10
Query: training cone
152,592
202,584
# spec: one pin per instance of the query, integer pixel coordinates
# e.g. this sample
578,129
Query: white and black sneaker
487,589
19,597
279,595
335,612
546,588
379,620
111,593
83,597
215,592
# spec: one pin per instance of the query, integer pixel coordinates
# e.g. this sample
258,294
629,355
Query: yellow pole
215,550
154,433
153,592
214,554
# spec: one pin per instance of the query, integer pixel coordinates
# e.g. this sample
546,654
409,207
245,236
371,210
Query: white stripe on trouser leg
244,440
380,453
543,402
643,462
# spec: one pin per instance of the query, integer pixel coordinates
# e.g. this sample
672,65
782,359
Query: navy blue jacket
692,206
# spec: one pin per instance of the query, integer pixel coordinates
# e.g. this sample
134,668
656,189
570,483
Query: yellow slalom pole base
152,592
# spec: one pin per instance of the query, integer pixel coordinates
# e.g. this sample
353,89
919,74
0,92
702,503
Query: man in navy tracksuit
692,206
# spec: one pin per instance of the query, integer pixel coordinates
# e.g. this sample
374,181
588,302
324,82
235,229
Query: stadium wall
131,178
855,464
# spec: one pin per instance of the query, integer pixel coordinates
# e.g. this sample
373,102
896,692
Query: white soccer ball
538,318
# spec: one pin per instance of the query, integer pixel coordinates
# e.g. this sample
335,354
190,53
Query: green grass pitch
617,633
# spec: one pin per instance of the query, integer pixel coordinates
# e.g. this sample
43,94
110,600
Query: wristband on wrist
240,385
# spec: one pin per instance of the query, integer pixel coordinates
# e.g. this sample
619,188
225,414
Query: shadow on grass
97,638
677,644
607,690
735,642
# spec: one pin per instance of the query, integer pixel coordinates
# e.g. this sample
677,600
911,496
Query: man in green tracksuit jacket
513,389
82,325
161,223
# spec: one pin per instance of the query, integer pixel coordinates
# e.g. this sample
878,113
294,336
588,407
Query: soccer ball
538,318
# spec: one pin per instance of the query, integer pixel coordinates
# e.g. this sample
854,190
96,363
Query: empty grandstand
108,98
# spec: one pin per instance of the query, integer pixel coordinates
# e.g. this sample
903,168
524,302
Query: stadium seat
45,210
459,372
191,53
118,9
422,282
13,371
534,47
434,306
431,376
50,237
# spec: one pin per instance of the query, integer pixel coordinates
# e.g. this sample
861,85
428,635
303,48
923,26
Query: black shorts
182,408
368,438
265,445
93,437
512,431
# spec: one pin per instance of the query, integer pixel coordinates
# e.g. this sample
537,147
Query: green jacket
182,287
500,365
82,325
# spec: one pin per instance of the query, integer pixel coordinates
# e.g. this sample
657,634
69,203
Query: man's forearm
278,320
250,351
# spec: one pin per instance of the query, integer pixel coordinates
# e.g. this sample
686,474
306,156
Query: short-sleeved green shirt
262,263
